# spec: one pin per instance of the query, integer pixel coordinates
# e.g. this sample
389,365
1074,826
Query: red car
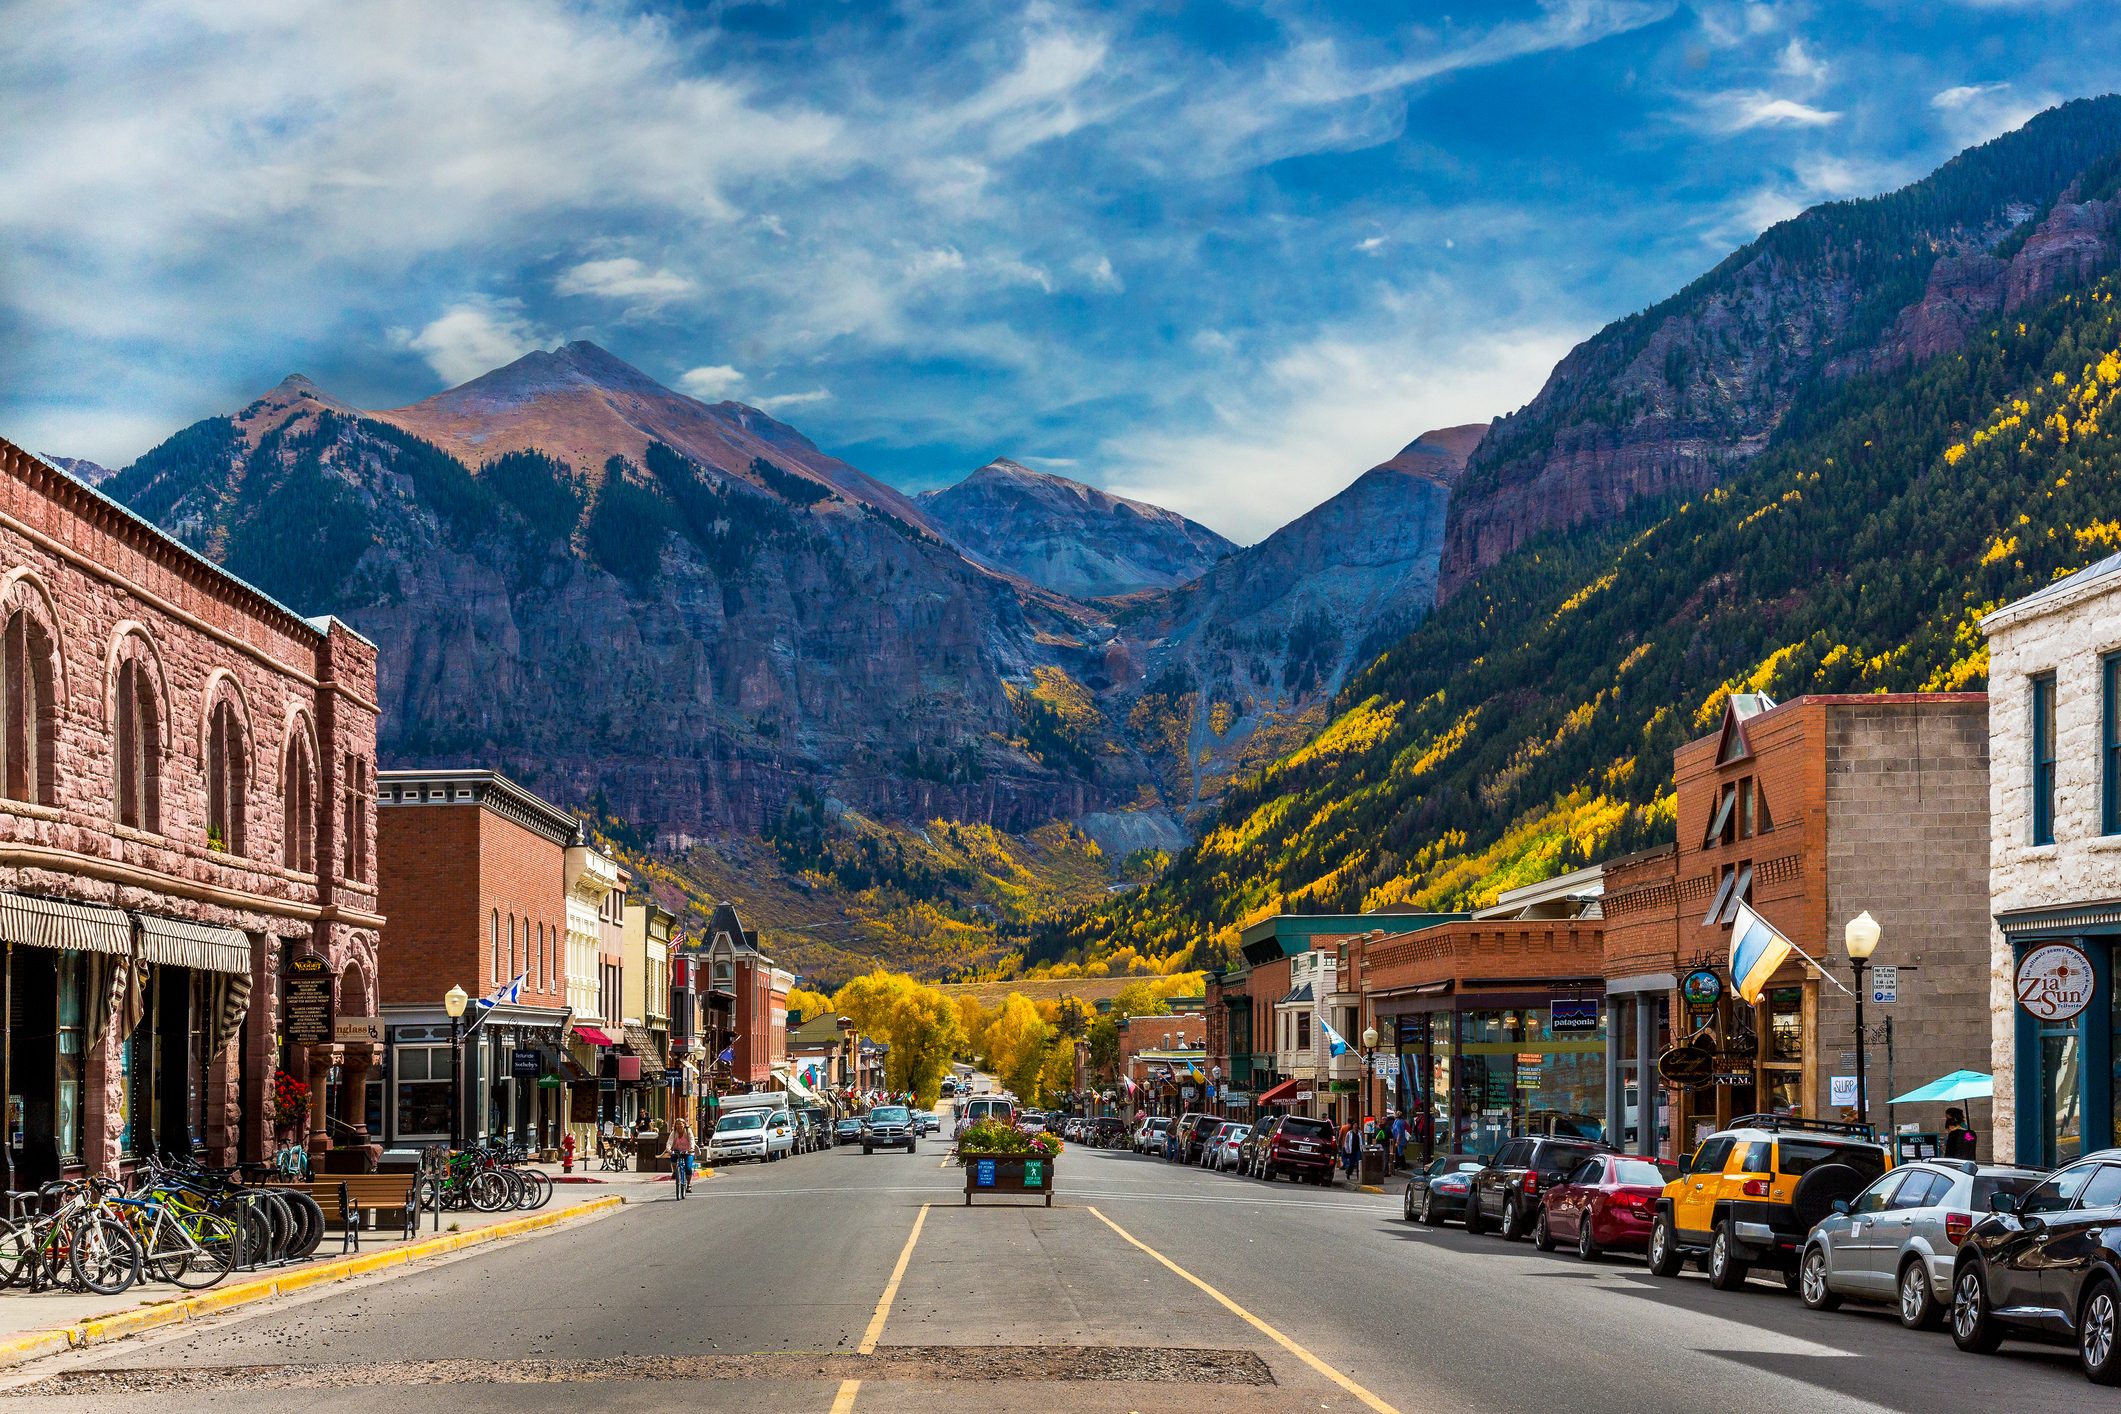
1604,1204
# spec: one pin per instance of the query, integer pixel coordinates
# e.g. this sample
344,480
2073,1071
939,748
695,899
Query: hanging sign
1573,1016
306,1012
2054,981
357,1029
526,1062
1701,989
1687,1066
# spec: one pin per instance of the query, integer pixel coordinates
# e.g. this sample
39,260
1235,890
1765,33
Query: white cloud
1799,63
623,278
1954,98
1740,111
1370,245
1975,112
711,382
1317,416
792,400
1101,275
474,338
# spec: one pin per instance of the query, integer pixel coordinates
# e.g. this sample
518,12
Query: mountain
1527,726
82,469
1234,661
1071,538
618,592
1675,399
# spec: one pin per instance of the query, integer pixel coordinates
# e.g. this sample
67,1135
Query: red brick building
476,868
185,765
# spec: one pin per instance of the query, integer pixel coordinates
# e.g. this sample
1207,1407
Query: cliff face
694,631
1071,538
1672,399
1232,664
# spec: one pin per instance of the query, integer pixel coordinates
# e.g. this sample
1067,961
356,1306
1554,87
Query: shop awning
593,1035
172,942
33,922
1289,1092
642,1042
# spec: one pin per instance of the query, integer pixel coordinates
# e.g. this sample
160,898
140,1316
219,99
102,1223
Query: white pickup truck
757,1126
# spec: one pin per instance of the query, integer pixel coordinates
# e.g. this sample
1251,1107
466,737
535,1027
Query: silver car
1896,1240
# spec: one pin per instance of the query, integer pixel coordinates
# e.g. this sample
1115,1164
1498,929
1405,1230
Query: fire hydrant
567,1153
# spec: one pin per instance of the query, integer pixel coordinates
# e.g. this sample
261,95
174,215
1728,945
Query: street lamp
453,1002
1369,1070
1861,936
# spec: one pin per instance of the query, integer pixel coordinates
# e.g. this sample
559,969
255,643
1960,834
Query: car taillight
1957,1226
1755,1188
1531,1181
1633,1202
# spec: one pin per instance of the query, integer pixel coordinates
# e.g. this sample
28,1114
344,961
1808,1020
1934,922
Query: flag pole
1821,969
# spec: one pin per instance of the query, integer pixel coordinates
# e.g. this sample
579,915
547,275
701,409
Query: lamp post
1369,1071
454,1002
1861,936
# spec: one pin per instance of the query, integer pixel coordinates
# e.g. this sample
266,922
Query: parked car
1750,1195
889,1127
1222,1151
1110,1132
1438,1192
979,1107
1604,1204
847,1131
1248,1152
2047,1267
1184,1131
1193,1139
1508,1189
1297,1146
1898,1240
1150,1134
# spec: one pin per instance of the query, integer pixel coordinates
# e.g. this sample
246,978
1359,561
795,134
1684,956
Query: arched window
227,779
298,802
139,741
28,715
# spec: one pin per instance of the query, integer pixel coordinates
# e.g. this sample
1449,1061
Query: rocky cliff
1069,537
1672,400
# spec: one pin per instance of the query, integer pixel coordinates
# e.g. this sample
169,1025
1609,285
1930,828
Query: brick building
2055,866
476,867
184,763
1814,811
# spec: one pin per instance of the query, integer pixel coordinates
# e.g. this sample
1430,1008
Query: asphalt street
838,1281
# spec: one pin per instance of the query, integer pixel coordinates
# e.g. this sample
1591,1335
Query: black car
1507,1190
1439,1191
2047,1267
1193,1141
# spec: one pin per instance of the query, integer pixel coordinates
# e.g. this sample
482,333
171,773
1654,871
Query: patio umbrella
1959,1085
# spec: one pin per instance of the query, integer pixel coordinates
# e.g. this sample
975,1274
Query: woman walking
679,1150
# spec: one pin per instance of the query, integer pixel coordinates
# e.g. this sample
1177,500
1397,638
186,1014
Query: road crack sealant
1064,1363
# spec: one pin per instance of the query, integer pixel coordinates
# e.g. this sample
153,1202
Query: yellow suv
1750,1193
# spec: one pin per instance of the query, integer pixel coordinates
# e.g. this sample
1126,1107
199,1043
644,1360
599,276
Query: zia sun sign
2054,981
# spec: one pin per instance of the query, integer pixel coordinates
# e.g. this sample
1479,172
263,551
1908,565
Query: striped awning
58,923
172,942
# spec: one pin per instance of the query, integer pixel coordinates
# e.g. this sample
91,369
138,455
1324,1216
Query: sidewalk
45,1322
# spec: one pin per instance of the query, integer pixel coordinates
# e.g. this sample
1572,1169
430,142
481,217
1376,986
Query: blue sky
1224,257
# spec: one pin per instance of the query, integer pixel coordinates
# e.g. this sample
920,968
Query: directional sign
357,1028
1885,985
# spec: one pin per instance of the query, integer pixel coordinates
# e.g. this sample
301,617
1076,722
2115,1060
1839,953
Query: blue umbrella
1959,1085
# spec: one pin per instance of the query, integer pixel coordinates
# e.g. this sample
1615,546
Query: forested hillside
1529,725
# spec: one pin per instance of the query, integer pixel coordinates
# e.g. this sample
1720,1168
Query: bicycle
681,1175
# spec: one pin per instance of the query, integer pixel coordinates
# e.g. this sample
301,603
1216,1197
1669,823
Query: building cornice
490,790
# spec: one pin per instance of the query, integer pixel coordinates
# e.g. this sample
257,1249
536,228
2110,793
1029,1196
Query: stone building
185,767
2054,726
475,866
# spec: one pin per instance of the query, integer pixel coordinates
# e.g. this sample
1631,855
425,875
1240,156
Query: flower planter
1030,1174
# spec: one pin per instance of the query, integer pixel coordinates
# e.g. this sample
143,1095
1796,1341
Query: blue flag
1337,1043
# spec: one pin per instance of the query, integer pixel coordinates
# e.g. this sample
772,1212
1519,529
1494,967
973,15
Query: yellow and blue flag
1756,951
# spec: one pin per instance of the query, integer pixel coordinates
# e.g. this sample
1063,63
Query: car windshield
749,1119
1298,1127
1642,1171
1801,1156
888,1114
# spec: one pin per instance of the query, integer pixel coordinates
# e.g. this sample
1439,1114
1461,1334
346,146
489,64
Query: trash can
1373,1164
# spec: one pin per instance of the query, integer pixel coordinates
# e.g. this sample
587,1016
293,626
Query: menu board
305,1009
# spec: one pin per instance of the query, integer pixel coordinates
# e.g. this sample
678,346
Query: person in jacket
1959,1139
1350,1150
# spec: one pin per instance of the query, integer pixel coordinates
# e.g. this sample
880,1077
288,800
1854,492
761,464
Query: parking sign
1885,985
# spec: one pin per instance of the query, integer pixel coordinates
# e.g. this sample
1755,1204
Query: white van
752,1127
981,1107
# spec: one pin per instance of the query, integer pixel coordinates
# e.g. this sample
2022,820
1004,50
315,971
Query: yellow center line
843,1402
1368,1399
875,1332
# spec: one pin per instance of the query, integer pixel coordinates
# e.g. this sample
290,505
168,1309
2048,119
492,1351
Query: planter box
1030,1174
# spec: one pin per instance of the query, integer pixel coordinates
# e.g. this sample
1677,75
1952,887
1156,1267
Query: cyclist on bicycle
679,1151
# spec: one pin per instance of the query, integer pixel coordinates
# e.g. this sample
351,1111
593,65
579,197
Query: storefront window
425,1075
2062,1096
71,1050
1786,1024
1515,1076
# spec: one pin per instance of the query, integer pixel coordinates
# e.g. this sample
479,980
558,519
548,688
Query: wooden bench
356,1194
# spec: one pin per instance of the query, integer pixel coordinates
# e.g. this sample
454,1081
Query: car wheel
1726,1272
1512,1220
1974,1325
1542,1236
1665,1257
1586,1245
1919,1308
2099,1333
1476,1222
1812,1283
1407,1202
1429,1216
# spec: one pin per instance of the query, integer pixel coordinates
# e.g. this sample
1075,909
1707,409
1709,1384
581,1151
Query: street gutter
98,1330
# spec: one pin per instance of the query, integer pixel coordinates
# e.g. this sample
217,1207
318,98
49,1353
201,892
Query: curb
96,1330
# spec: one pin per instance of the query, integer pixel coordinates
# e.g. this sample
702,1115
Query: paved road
1145,1288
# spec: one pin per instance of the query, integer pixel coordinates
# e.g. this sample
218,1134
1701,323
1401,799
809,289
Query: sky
1219,257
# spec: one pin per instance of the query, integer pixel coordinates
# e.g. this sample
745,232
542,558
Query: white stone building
2055,864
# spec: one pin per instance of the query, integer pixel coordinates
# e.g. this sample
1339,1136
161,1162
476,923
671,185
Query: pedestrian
679,1151
1398,1149
1958,1138
1350,1150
